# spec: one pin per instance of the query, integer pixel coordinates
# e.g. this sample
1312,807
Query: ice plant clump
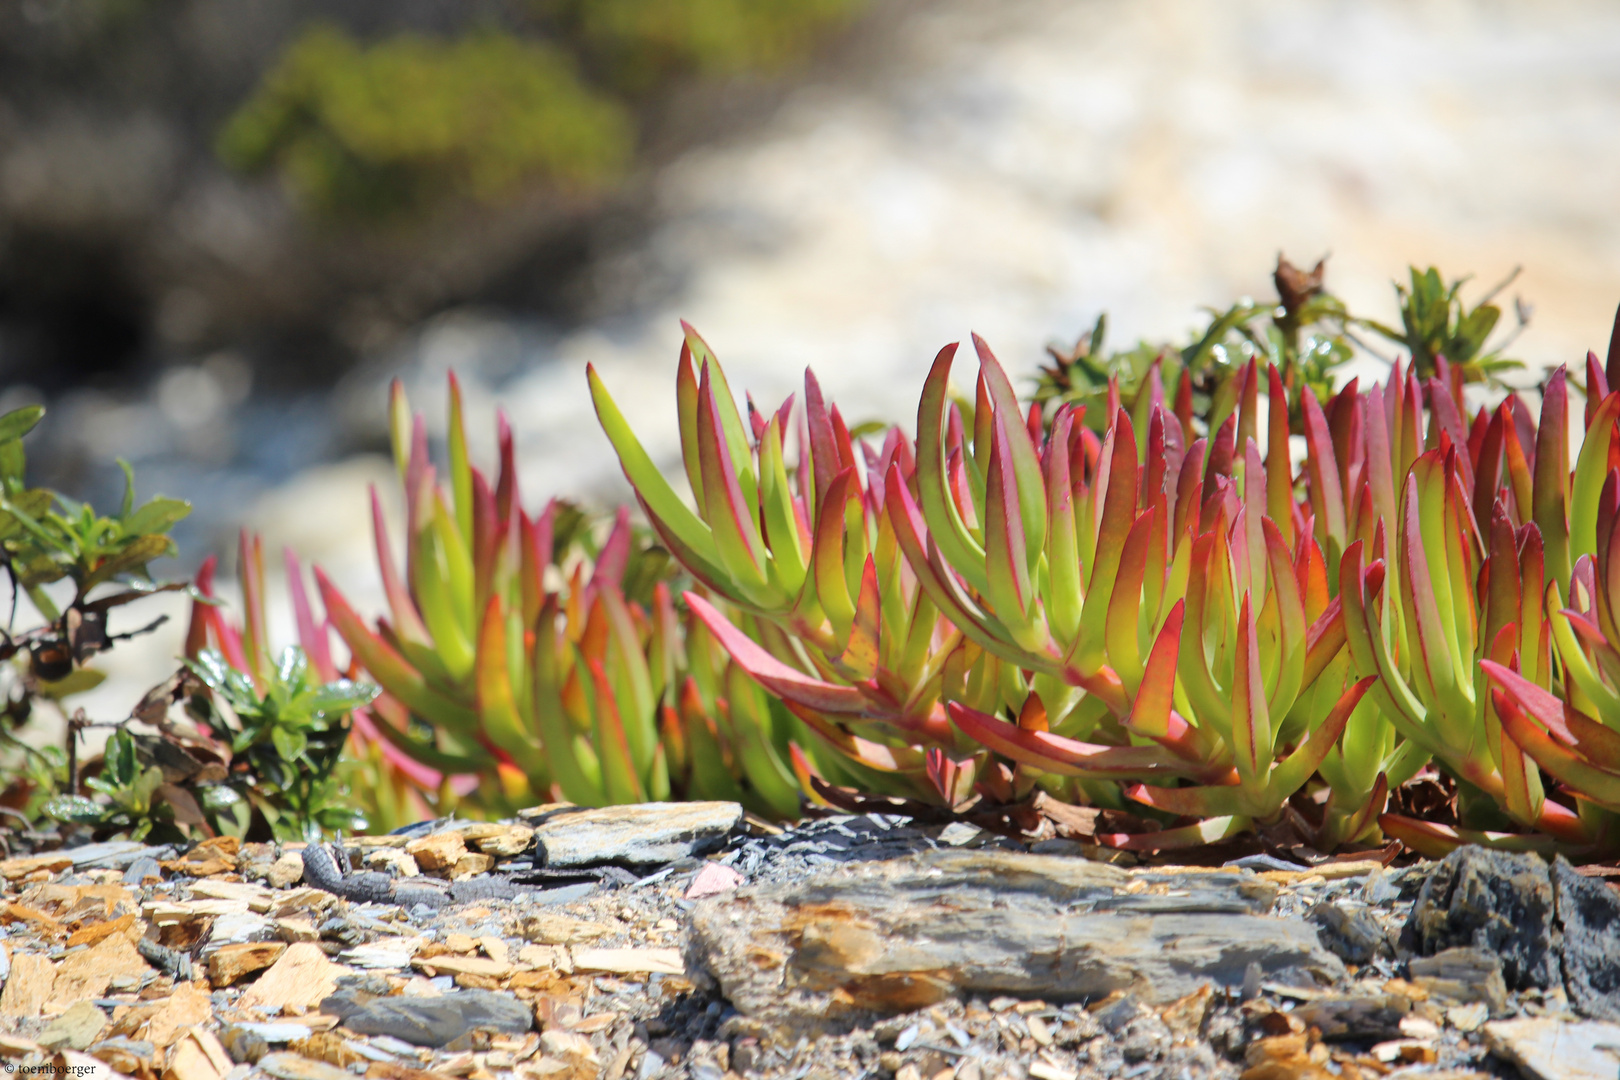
514,656
824,612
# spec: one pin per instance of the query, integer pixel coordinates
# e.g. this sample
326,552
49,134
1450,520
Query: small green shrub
643,43
387,129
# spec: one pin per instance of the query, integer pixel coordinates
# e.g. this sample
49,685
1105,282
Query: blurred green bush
389,130
381,130
643,43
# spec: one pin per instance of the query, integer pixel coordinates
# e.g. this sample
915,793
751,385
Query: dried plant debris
846,946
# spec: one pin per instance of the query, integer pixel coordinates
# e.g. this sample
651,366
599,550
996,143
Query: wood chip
230,962
299,980
28,986
188,1007
85,975
628,961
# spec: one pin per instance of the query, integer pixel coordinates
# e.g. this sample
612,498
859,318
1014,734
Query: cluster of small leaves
1307,333
285,741
283,747
1436,323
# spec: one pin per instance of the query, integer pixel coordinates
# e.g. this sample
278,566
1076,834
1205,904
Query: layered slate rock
1493,900
642,834
900,935
1547,927
1589,918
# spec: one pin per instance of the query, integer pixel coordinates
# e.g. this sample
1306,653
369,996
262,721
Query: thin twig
1504,283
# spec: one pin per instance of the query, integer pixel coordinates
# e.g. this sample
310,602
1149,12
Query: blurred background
225,227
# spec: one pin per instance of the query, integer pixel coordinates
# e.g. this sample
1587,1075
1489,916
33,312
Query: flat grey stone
643,834
895,936
109,854
439,1020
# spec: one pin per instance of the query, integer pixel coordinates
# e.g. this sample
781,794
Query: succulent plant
522,653
826,613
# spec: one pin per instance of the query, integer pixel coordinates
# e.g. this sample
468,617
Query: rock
437,853
293,931
81,1066
392,861
498,839
28,986
216,855
246,1046
1589,916
713,880
197,1056
286,871
471,864
573,1050
629,961
21,867
75,1029
231,962
109,854
560,929
294,1067
1356,1016
187,1007
85,975
143,870
1495,900
300,979
1464,974
132,1057
255,898
90,935
645,834
1353,935
1466,1018
898,935
450,964
438,1021
1547,1049
386,954
13,1046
